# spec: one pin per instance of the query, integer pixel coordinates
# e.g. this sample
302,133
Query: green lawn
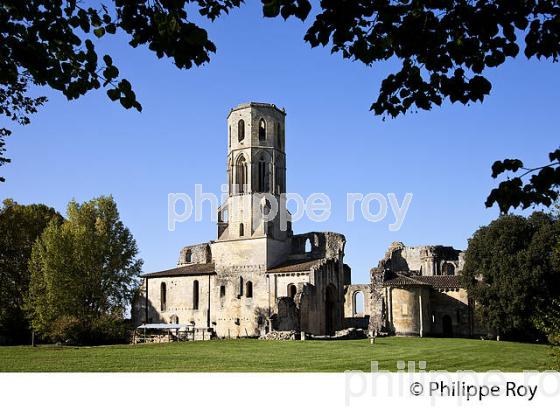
282,356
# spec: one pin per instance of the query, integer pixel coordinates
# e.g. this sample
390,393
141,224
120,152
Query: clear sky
91,147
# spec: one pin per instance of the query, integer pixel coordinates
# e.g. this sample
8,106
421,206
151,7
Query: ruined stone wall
326,245
200,253
422,260
353,318
326,279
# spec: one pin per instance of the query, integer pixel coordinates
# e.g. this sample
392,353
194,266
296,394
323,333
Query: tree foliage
511,272
541,189
83,274
53,43
445,47
20,226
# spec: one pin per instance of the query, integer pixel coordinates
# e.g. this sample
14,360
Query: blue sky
91,147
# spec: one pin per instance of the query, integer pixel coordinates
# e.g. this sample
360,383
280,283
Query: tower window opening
262,176
241,130
262,130
307,245
222,291
241,230
249,289
188,256
241,174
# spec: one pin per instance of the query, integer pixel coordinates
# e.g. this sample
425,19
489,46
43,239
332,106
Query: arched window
262,175
249,289
447,269
241,174
241,130
307,245
188,256
195,295
358,303
174,319
163,296
222,291
241,230
262,130
292,290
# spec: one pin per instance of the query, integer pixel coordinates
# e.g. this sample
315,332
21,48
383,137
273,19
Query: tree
20,226
83,275
542,188
511,272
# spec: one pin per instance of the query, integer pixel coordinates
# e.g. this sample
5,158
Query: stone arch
241,174
249,289
292,290
262,129
240,130
447,268
307,246
188,256
358,303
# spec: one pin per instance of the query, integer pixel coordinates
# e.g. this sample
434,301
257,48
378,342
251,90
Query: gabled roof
186,270
299,265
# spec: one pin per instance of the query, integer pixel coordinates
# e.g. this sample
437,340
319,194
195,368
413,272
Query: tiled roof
301,265
187,270
438,282
443,281
401,280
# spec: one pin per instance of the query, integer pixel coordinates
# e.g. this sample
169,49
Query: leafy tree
511,272
542,188
83,275
20,226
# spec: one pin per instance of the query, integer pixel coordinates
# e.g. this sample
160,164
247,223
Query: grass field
281,356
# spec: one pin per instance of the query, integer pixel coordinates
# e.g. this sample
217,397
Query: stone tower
256,171
256,168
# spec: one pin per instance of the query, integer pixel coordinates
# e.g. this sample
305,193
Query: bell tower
256,170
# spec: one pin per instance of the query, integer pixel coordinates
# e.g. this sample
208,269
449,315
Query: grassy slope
285,356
